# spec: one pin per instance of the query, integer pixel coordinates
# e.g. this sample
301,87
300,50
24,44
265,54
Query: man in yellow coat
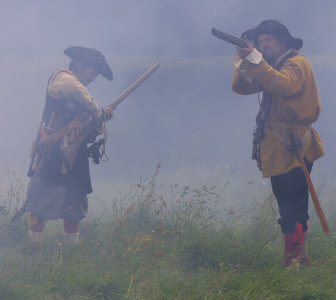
290,105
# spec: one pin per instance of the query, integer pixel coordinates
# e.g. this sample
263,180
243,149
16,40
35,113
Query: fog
185,114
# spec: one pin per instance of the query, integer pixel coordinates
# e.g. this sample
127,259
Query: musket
229,38
89,127
296,149
48,139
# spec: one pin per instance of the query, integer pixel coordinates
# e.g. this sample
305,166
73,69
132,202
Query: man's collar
282,56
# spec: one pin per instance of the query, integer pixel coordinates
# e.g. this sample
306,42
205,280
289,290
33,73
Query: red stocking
293,244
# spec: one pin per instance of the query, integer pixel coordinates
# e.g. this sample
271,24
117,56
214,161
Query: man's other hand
243,52
108,113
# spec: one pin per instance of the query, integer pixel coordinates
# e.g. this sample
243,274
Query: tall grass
151,245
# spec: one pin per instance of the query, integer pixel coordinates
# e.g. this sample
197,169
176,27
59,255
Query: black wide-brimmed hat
92,58
272,27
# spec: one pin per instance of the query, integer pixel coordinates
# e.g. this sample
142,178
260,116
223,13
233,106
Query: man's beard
269,59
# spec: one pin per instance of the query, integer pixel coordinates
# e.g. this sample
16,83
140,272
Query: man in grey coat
57,190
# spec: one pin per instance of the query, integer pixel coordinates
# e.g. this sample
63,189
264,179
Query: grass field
147,246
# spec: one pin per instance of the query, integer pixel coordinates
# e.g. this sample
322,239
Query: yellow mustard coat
295,105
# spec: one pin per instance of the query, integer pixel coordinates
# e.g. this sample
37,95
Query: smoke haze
184,115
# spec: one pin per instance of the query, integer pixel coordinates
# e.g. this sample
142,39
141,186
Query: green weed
151,245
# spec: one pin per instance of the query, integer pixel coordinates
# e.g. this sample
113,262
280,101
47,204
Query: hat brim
253,34
105,71
91,57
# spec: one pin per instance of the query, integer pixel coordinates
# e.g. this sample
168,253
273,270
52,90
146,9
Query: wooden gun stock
229,38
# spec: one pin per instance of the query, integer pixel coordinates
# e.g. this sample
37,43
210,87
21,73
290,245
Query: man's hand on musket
108,113
243,52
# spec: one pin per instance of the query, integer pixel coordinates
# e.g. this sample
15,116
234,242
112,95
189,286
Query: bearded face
271,47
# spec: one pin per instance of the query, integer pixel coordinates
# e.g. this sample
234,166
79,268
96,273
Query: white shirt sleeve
254,57
64,85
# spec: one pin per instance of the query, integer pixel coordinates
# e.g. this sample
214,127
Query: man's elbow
239,90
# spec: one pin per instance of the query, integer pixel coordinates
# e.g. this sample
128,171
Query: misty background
185,114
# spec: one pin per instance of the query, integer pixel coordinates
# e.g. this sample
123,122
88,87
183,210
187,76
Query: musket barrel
228,38
134,85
